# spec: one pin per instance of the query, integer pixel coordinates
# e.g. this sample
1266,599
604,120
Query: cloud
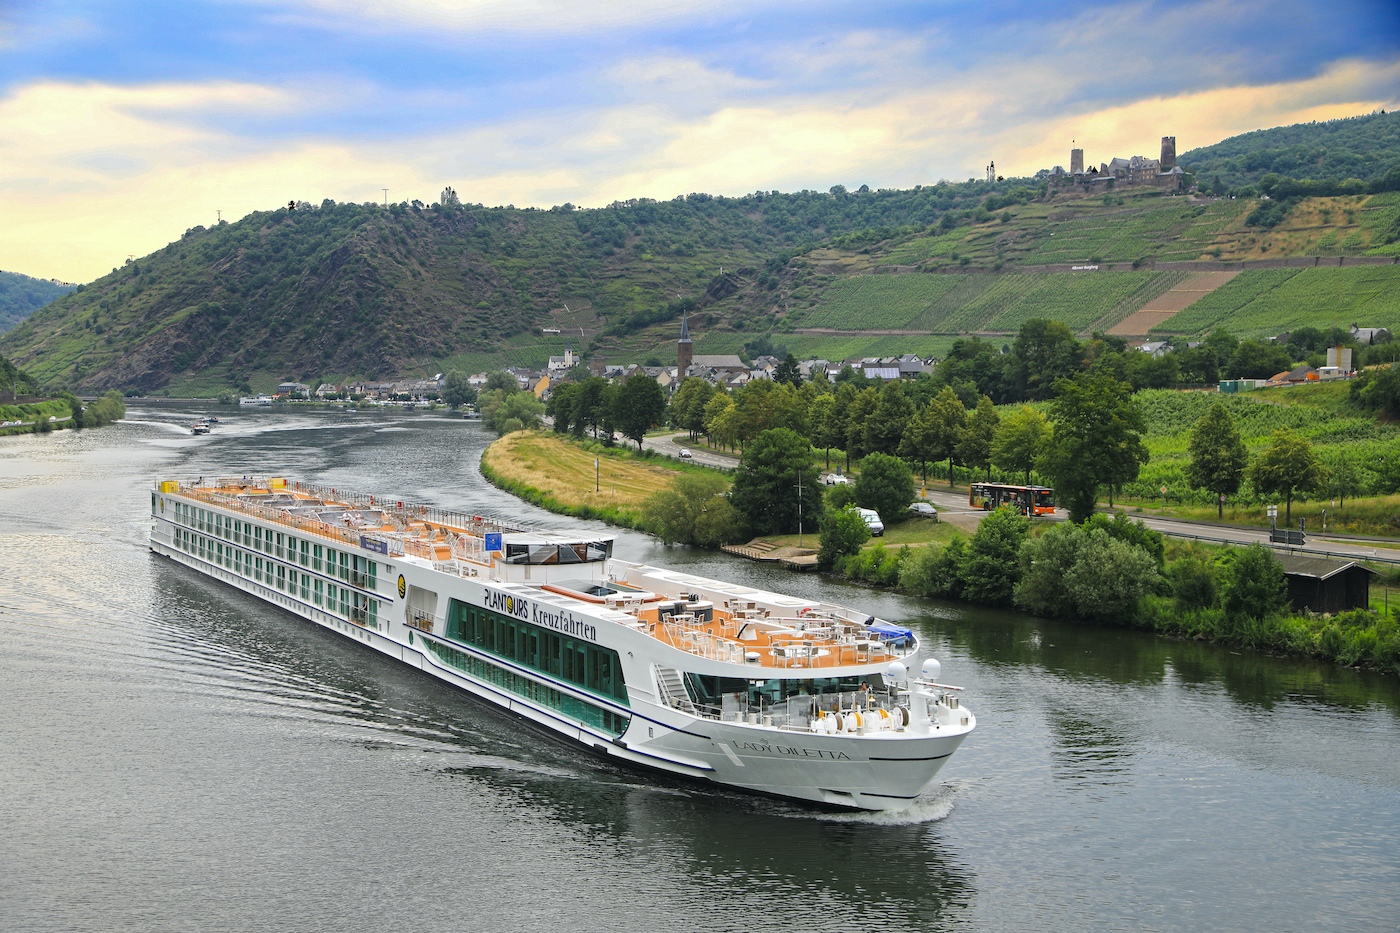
1347,88
531,17
94,171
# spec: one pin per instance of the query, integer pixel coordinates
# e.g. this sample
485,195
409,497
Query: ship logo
403,587
510,604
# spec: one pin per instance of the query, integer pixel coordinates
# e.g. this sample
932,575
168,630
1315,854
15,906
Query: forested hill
20,295
1364,147
368,291
345,290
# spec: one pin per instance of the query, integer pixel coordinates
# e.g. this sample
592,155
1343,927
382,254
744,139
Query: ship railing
460,568
702,643
349,536
410,512
796,713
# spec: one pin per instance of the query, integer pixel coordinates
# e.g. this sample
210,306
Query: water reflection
171,742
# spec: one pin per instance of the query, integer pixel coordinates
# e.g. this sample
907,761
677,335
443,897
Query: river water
178,756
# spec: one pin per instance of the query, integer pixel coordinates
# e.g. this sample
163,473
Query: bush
935,570
1080,572
992,567
886,485
1254,584
1193,581
843,531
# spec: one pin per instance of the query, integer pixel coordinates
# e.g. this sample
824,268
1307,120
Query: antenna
219,215
386,197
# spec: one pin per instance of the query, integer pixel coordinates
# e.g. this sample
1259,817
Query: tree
1254,584
719,420
504,413
1049,351
935,432
680,514
822,424
1286,466
458,391
765,485
886,485
843,531
887,422
858,412
688,405
992,569
1256,359
1096,440
1218,456
561,407
638,404
1083,572
1019,441
975,446
787,372
590,407
1345,479
501,381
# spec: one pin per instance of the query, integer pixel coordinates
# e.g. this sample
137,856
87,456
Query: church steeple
683,349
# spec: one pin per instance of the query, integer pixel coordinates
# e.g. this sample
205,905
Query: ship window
257,569
316,557
281,550
305,550
281,577
316,591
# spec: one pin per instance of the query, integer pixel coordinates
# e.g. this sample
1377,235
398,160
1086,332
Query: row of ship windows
604,720
354,606
579,662
352,568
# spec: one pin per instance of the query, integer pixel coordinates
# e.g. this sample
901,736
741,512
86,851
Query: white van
872,521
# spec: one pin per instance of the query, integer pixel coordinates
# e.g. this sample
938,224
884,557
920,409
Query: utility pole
799,508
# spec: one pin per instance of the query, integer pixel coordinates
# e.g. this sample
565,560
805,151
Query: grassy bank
559,475
1171,603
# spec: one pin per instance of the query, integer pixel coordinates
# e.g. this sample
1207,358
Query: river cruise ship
697,677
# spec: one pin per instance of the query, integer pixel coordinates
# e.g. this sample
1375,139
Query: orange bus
1029,500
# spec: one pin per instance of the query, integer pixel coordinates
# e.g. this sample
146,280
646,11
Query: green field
959,304
884,302
1319,413
1265,302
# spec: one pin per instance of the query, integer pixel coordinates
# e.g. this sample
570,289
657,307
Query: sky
124,124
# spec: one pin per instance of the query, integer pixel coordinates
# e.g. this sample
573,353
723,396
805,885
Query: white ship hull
640,676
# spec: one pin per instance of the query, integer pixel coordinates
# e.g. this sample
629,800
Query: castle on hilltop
1161,172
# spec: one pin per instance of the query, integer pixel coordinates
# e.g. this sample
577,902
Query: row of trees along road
1219,462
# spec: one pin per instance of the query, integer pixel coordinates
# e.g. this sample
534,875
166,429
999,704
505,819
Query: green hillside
1364,147
370,291
347,290
21,295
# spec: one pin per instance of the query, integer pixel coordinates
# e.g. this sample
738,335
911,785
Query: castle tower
1168,153
1076,161
684,350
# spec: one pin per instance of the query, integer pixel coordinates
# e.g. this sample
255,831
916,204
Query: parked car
872,521
924,510
835,479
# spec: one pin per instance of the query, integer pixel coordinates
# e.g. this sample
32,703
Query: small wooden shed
1321,585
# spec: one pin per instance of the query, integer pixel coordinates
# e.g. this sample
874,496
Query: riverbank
579,478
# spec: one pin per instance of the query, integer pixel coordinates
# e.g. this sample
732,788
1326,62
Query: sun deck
747,633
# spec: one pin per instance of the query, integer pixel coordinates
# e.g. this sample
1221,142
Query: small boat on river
656,668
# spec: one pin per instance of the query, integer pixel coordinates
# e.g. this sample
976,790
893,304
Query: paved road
956,502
